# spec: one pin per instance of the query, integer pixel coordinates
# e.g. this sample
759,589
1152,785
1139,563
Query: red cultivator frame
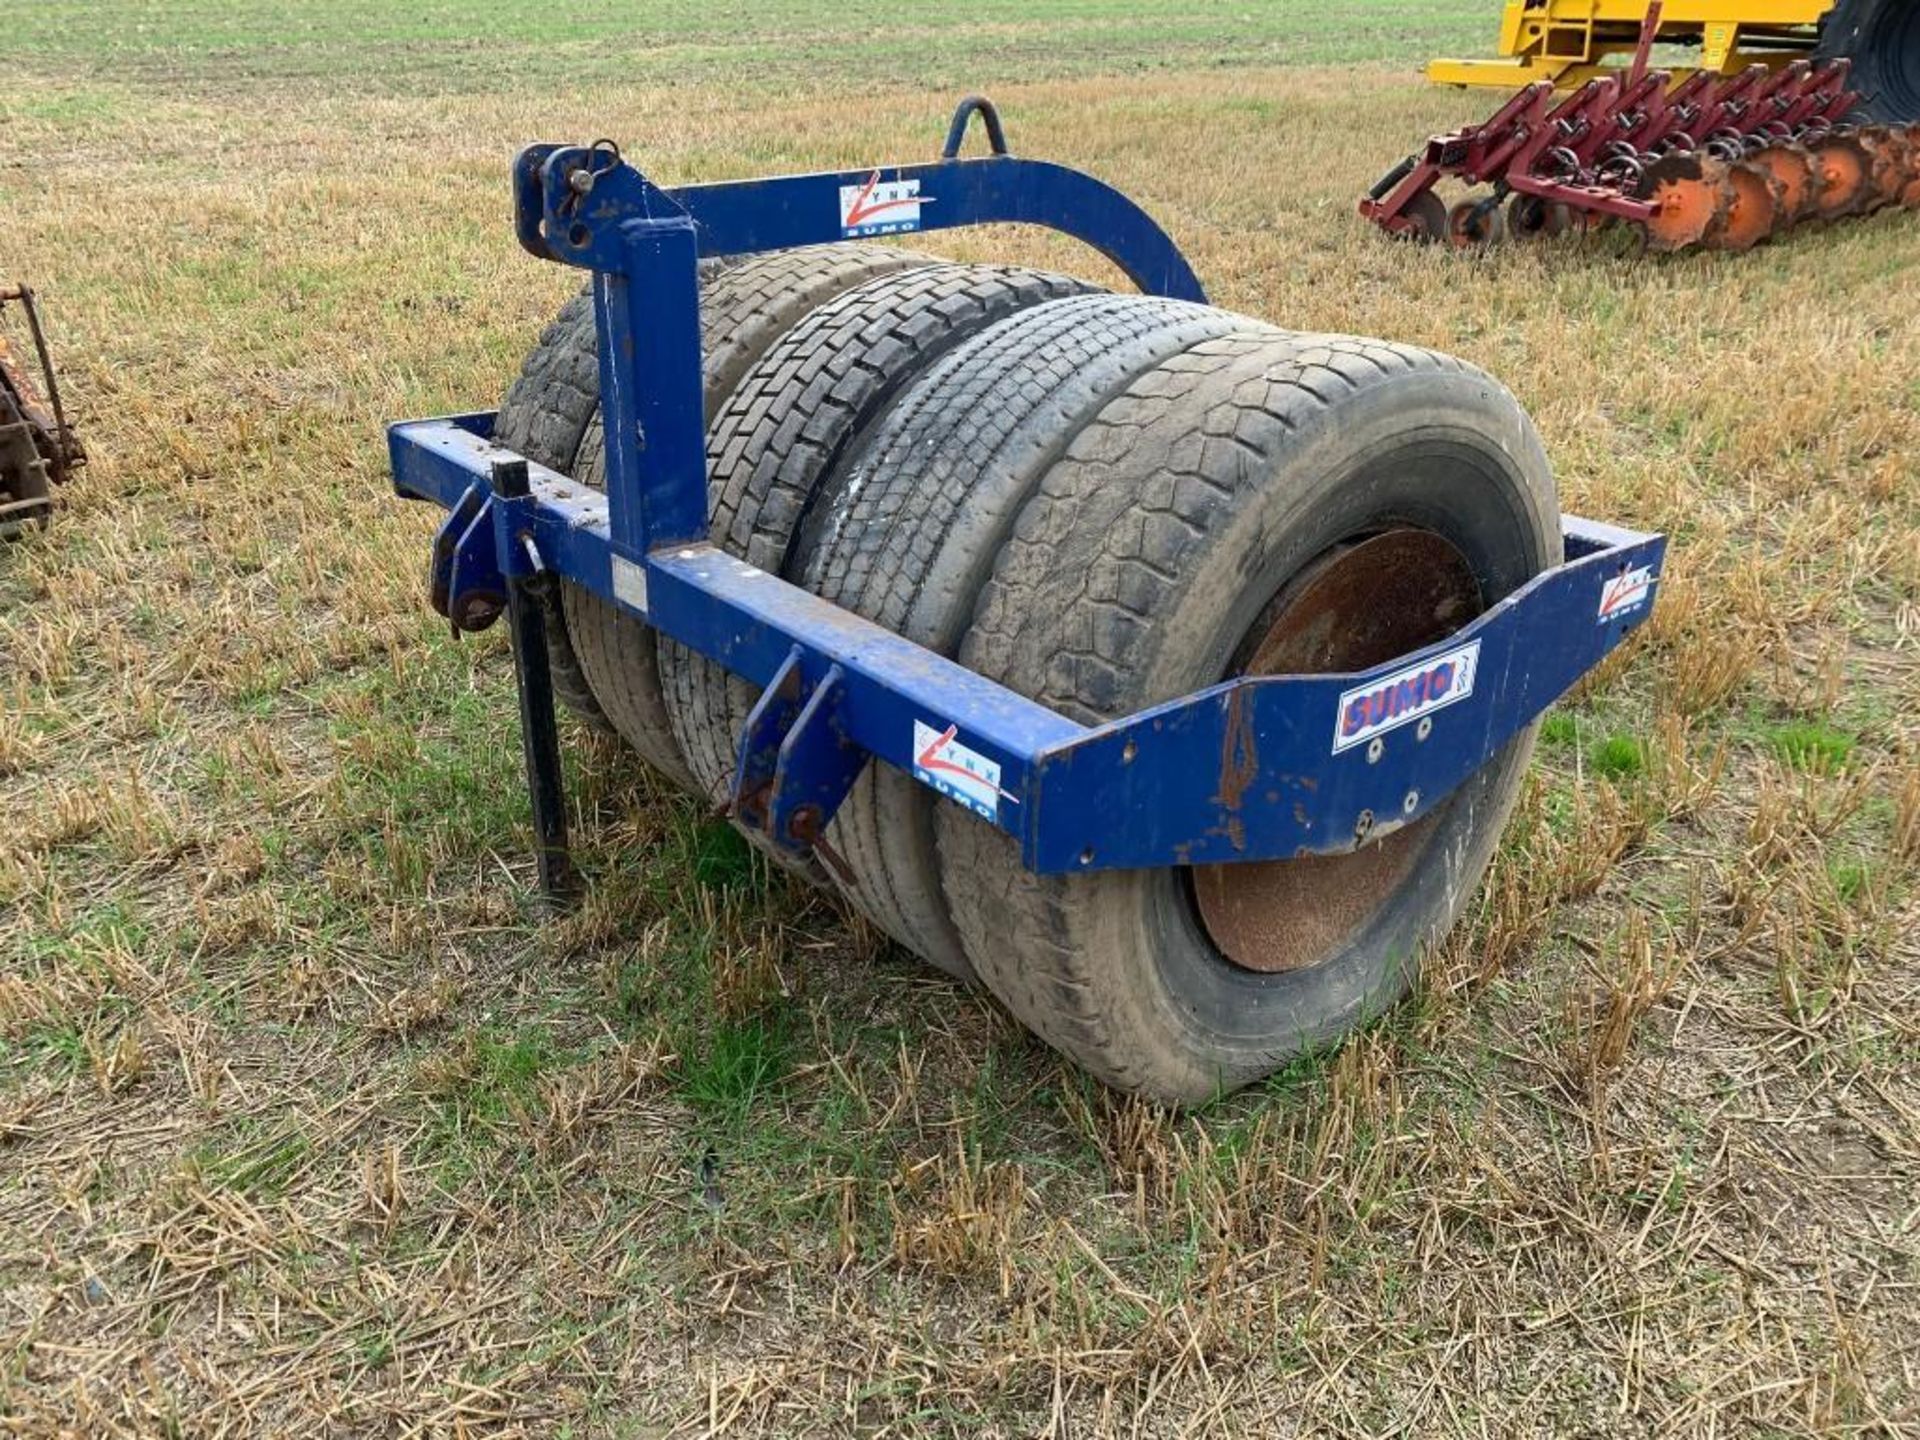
1718,162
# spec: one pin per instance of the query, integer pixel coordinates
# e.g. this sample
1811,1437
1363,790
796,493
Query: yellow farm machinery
1569,42
1794,112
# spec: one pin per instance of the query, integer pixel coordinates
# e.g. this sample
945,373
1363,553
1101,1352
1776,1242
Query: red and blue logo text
1405,696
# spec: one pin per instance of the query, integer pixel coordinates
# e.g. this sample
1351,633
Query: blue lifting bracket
1256,768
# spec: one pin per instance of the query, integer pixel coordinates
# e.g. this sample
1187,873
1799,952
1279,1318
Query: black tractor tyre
553,406
1185,513
1882,39
789,424
906,533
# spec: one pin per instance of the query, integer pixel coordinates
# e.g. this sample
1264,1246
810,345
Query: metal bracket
464,580
485,543
796,761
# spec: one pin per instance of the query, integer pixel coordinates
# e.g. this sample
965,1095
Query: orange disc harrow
1689,193
1791,167
1726,165
1751,214
1844,169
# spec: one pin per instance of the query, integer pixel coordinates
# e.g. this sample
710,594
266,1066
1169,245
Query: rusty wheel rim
1427,219
1843,167
1752,210
1357,605
1472,224
1688,192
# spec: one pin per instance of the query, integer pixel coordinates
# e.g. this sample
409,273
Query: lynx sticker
955,771
879,207
1405,696
1626,592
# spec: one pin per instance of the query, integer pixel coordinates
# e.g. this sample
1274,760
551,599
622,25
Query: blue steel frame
1251,769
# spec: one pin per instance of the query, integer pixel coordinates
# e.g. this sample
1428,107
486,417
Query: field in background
830,50
309,1124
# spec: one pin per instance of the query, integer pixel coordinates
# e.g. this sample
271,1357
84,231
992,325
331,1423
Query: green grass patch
483,1072
738,1066
1619,756
721,859
1560,728
462,45
1806,745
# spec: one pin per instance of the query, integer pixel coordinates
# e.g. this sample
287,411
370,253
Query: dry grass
309,1125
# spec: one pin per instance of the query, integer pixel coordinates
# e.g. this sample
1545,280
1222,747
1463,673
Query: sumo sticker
1405,696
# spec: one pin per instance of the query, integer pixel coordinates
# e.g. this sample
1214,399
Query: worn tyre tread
907,530
602,657
1868,33
787,425
1073,605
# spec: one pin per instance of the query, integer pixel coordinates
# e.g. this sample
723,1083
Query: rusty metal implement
1717,162
38,449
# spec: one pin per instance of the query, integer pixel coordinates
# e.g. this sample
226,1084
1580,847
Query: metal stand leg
539,733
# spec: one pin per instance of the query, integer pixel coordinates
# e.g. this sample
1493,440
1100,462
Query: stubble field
311,1122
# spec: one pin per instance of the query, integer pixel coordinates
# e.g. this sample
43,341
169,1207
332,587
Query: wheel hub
1843,169
1356,606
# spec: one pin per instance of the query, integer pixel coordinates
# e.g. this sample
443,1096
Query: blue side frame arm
1248,770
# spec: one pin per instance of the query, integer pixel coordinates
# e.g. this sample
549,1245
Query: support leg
539,733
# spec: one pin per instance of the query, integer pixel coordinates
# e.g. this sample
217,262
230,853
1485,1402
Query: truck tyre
1254,504
1882,39
551,415
905,533
791,421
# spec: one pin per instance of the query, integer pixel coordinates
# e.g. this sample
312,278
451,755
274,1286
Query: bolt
1375,750
804,824
1363,827
1411,803
1423,729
